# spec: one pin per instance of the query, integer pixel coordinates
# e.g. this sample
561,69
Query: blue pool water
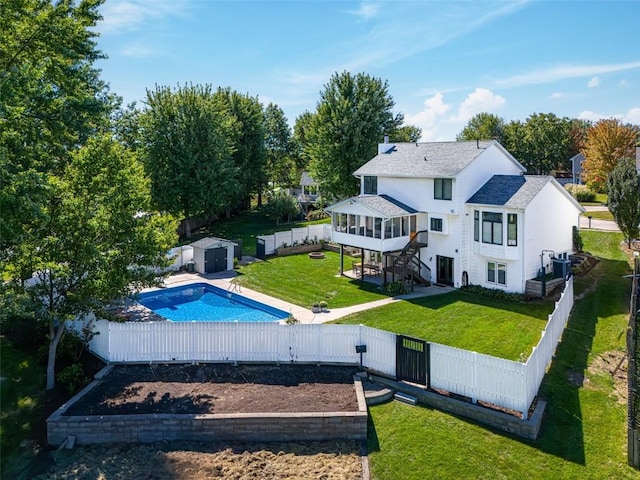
201,302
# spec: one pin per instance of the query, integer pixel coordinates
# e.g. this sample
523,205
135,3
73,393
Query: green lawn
606,215
247,227
303,281
584,430
464,320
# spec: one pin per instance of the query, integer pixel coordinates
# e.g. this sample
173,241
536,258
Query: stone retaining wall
211,427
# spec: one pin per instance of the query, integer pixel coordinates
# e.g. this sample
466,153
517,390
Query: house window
377,232
442,188
492,228
497,273
436,224
476,225
370,185
512,229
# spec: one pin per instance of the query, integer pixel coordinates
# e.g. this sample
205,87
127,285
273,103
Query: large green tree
542,143
483,126
96,240
280,166
405,133
623,189
351,117
248,146
188,146
51,99
301,137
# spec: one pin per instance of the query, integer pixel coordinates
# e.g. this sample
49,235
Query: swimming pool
201,302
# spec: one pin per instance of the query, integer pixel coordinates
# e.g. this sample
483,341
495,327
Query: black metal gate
411,359
261,249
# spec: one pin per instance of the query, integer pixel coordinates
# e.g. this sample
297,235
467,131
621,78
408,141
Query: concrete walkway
596,224
225,281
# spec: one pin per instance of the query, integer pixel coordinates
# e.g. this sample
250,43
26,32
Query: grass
604,215
464,320
247,227
584,430
304,281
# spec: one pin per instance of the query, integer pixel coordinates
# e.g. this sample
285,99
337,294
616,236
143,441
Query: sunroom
376,224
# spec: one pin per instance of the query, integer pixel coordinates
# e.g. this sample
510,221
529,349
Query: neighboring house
306,193
576,168
455,213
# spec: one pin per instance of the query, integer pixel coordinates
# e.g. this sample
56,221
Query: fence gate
261,249
411,359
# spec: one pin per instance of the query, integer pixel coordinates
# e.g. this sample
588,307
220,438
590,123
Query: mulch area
220,388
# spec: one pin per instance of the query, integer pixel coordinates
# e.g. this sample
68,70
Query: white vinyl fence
296,236
181,255
505,383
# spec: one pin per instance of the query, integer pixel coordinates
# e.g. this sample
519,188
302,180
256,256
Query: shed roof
211,242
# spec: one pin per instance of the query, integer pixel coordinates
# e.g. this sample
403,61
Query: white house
455,213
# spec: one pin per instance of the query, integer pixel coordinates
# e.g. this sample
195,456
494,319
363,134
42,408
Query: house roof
307,179
382,206
211,242
431,159
515,191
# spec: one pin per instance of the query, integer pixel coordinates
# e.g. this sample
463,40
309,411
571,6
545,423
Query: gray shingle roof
384,205
511,191
427,160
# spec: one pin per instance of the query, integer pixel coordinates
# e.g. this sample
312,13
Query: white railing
296,236
506,383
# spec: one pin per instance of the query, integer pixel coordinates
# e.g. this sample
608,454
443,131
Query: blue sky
444,61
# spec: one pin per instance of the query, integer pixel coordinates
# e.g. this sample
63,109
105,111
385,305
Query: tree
281,207
353,113
483,126
607,142
280,167
623,189
541,143
406,133
301,138
188,145
97,240
51,100
248,145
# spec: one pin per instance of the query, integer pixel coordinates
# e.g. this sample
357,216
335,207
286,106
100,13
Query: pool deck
225,281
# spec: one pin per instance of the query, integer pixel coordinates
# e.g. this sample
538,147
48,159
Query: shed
211,254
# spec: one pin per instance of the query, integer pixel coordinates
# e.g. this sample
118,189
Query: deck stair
406,264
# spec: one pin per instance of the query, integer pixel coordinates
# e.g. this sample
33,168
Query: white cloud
632,116
480,100
556,95
547,75
594,82
429,117
138,51
623,83
126,15
366,10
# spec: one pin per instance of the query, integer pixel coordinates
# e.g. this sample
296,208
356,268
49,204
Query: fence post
474,396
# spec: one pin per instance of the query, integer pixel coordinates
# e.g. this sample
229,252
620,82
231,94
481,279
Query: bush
598,185
72,378
581,193
316,215
395,288
495,293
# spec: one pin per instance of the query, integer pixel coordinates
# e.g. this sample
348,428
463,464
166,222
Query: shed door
215,260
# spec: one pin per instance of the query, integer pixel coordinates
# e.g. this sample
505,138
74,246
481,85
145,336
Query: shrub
73,378
395,288
495,293
316,215
581,193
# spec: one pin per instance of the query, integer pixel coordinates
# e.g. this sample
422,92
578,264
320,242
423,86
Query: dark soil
220,388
